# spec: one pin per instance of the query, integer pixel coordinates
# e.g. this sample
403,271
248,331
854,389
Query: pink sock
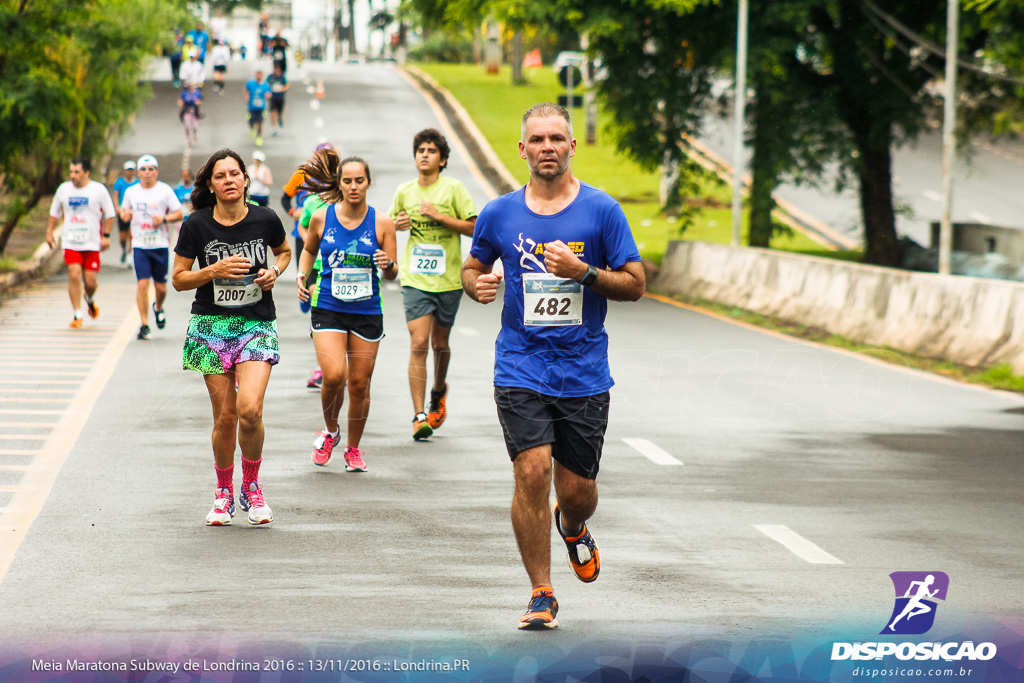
250,470
225,477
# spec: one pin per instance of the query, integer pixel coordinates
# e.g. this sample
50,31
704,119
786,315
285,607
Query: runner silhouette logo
916,596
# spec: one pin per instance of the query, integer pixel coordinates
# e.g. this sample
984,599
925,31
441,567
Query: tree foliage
69,75
835,83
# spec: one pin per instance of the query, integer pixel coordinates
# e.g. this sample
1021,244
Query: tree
68,80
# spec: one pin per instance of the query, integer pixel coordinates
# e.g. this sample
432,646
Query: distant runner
83,208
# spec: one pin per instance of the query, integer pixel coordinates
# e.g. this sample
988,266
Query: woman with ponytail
232,334
346,319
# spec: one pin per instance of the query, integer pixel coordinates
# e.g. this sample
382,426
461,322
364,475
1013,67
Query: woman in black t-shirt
232,334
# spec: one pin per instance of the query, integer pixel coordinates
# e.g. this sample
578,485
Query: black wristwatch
591,276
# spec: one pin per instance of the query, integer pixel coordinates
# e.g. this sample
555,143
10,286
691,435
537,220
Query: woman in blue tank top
346,320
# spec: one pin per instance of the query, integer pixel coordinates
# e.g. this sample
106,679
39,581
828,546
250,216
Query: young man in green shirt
437,212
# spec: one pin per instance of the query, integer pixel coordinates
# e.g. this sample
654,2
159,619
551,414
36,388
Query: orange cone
320,89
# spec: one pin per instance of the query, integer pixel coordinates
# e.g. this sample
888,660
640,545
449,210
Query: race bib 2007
236,293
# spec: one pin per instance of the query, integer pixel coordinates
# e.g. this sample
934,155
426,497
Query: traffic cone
320,89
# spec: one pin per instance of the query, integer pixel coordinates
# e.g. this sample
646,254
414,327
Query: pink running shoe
315,380
323,446
354,460
251,500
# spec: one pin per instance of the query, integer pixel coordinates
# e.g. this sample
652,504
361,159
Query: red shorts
89,260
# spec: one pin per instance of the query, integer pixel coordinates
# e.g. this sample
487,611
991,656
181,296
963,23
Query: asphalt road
720,435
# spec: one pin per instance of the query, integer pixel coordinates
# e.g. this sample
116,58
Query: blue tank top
348,278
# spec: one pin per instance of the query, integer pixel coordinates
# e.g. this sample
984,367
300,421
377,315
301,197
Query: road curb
500,178
44,263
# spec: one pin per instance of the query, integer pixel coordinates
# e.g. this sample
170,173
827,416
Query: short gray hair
545,109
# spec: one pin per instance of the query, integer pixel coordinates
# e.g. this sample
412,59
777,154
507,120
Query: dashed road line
652,451
797,544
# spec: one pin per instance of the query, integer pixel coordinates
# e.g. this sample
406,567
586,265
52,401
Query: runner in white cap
149,206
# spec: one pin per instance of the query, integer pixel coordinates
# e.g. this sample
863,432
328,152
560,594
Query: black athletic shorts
574,427
123,226
369,327
277,105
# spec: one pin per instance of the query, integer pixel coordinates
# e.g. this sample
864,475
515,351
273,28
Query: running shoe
259,140
438,411
421,428
161,318
323,446
223,508
124,255
354,460
76,323
581,551
542,610
143,332
315,380
94,310
252,500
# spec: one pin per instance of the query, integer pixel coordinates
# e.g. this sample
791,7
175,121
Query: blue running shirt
552,337
348,281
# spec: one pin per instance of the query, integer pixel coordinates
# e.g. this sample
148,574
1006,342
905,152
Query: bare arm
626,283
51,225
309,251
266,277
385,256
463,227
184,278
479,282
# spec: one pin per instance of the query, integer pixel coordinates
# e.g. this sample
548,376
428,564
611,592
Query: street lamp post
948,141
738,115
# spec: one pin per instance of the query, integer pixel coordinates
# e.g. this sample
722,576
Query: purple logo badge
916,595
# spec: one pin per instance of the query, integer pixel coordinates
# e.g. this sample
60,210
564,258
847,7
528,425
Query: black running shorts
369,327
574,427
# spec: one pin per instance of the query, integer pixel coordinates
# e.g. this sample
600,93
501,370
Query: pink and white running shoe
323,446
354,460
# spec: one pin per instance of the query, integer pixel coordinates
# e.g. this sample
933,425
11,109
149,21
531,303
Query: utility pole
948,141
740,103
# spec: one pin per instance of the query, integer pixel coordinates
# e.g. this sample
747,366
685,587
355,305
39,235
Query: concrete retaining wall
967,320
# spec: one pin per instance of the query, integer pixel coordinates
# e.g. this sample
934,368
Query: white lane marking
797,544
652,452
932,195
468,331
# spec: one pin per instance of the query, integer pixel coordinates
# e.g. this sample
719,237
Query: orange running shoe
421,428
76,323
581,551
438,411
94,310
542,610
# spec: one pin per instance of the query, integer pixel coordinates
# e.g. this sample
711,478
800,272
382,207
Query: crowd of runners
564,246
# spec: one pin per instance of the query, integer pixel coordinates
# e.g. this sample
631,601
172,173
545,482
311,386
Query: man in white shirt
149,206
86,213
193,70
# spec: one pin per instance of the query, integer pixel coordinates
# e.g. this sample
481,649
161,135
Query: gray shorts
443,305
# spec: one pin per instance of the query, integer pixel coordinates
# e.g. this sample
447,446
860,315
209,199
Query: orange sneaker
581,551
542,610
438,411
76,323
421,428
94,310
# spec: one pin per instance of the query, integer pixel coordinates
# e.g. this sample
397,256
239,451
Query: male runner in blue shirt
566,248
